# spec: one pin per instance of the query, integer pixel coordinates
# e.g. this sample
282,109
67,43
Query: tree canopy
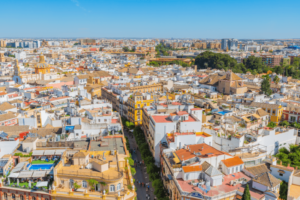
246,195
224,61
266,86
289,156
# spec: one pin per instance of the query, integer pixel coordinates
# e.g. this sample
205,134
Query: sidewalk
141,172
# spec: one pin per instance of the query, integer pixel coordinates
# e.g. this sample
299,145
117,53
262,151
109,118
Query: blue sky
258,19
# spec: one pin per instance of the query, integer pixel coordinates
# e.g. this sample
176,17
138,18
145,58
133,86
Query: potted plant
92,183
76,186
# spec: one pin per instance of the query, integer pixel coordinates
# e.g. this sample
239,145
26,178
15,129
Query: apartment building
272,60
275,111
160,125
135,103
98,172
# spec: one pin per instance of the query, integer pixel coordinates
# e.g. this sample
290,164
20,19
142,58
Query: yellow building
94,90
95,174
42,66
136,102
275,111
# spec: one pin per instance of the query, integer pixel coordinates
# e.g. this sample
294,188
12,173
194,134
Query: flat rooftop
110,144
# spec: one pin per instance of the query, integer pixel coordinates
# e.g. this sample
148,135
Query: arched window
13,196
33,198
119,187
5,196
111,188
21,197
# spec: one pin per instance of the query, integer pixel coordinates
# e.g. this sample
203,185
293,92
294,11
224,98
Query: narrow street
141,172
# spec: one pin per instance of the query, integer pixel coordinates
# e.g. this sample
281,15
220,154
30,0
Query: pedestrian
148,187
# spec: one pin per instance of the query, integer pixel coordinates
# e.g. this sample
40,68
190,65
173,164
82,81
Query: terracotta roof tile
230,162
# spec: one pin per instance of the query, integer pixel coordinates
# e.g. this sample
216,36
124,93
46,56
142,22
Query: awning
41,184
38,152
59,152
176,159
49,152
68,128
38,174
13,175
25,174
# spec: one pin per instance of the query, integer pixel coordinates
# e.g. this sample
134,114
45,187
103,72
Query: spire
42,58
17,68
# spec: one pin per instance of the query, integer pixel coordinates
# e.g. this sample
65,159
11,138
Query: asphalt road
141,173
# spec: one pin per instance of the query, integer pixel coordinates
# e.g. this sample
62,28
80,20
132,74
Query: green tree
276,79
246,195
278,69
289,156
271,125
283,190
266,86
126,49
284,123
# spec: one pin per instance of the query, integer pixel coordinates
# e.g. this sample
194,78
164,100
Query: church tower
2,58
42,66
17,68
17,75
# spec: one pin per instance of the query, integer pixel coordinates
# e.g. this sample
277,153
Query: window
237,169
13,196
5,196
33,198
119,186
99,120
62,182
241,167
21,197
280,174
84,184
112,188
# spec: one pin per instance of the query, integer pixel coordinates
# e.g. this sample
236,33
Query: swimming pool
224,112
42,167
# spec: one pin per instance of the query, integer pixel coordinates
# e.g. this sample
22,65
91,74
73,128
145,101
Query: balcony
108,175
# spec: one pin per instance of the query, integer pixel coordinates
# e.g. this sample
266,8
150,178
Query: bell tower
17,68
2,58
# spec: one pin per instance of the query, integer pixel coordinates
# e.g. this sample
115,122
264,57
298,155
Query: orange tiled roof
205,150
230,162
184,154
182,113
187,169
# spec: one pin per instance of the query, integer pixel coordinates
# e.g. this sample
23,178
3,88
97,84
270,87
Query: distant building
272,60
230,44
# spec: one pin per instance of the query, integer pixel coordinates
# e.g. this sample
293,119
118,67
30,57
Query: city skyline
150,19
